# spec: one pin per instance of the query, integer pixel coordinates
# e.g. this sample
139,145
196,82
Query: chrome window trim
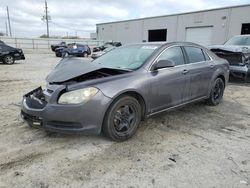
155,60
186,64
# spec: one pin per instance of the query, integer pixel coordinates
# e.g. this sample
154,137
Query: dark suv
74,50
8,54
60,45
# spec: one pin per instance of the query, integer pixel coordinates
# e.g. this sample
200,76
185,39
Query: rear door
169,85
200,71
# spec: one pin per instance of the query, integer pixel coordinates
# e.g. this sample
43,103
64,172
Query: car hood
69,68
231,48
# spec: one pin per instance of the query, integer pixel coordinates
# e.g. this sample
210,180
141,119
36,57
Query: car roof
167,43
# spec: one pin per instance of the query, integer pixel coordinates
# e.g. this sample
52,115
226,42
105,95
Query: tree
1,34
44,36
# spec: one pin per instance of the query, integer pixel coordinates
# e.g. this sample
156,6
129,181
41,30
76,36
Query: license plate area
35,99
32,120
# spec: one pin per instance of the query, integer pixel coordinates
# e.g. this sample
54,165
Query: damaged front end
239,62
35,99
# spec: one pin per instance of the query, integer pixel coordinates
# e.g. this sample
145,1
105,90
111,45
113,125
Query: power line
70,28
9,21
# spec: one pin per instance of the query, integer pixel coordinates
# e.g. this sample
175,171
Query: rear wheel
217,92
85,54
8,59
122,119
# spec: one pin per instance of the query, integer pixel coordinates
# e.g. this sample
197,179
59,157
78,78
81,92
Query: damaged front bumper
238,63
40,109
241,72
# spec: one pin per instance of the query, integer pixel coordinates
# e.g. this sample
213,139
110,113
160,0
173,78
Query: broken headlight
78,96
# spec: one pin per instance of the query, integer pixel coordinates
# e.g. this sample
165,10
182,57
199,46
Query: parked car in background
100,53
60,45
58,51
119,89
74,50
8,54
237,52
107,45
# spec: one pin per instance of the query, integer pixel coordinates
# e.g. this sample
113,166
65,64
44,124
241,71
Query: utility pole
46,17
6,28
9,21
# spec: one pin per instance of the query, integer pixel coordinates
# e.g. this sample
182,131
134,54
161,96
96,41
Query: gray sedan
115,92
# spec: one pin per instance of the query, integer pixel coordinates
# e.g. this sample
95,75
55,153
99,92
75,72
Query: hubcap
218,90
9,59
124,118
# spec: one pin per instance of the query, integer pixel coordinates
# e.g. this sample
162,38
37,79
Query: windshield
128,57
240,40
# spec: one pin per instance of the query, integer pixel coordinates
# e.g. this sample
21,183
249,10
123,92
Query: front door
169,85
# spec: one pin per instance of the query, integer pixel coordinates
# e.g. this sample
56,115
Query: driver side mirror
164,64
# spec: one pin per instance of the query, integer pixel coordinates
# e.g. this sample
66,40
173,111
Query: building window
157,35
245,28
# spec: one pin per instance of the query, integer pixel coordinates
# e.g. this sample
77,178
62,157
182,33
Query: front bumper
84,118
241,72
19,56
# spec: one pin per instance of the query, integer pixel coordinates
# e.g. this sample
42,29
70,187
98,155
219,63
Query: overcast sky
82,15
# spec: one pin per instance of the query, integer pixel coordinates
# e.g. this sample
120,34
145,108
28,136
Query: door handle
185,71
211,66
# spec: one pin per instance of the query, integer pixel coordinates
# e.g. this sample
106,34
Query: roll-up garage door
199,35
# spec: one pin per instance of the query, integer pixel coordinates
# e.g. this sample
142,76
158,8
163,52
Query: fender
220,71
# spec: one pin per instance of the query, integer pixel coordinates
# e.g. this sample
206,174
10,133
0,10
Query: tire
9,60
216,93
122,119
66,54
85,54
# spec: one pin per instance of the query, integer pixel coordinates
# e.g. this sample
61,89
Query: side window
173,54
206,56
194,54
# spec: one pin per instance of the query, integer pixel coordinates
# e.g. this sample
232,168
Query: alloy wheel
124,119
9,59
218,90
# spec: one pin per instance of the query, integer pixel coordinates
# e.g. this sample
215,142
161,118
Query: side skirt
177,106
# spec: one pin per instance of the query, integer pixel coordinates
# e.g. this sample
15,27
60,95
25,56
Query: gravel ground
196,146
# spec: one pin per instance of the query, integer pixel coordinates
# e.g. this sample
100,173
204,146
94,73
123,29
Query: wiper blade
121,68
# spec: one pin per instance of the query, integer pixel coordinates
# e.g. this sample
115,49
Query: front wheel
217,92
66,54
8,59
122,119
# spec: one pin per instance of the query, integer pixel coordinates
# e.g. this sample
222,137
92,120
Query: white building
205,27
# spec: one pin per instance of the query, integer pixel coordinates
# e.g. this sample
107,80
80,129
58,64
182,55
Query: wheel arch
223,79
134,94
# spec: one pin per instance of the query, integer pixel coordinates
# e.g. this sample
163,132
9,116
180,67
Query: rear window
194,54
206,56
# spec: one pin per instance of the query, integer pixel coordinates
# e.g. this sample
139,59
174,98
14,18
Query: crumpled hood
231,48
69,68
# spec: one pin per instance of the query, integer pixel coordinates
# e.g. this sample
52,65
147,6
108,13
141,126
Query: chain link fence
43,44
